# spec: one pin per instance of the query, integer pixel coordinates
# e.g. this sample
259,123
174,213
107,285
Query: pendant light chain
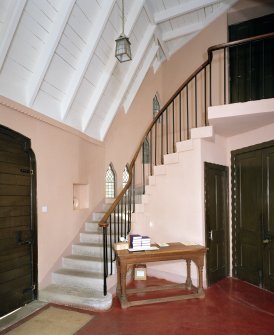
123,18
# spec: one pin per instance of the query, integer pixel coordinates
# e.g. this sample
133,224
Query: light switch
44,209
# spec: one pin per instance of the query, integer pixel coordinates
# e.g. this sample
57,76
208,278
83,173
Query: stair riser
93,227
67,280
83,265
87,251
95,238
97,304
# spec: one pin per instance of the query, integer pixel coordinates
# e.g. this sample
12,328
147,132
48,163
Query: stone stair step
93,237
76,296
87,249
85,263
78,278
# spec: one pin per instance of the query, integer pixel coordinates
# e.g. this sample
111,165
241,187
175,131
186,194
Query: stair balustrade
186,109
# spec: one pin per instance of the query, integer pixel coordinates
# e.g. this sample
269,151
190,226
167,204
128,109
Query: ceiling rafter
140,77
157,33
182,9
128,78
102,84
183,31
94,38
50,47
15,13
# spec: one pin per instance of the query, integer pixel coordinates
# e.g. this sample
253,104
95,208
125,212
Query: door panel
18,249
249,216
216,180
253,214
251,67
268,217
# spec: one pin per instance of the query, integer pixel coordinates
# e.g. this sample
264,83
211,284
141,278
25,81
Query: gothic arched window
110,182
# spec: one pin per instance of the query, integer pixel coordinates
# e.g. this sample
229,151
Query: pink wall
127,129
63,157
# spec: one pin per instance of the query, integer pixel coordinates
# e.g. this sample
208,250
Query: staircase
80,280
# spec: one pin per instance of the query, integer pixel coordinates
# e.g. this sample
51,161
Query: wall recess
80,196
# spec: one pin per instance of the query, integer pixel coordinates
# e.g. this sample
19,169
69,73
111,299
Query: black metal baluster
105,259
173,127
205,91
162,139
195,101
180,115
187,114
167,130
224,76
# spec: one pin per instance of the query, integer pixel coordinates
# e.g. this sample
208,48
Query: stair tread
85,244
79,291
79,273
85,258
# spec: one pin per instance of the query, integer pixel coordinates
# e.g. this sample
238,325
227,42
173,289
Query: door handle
266,241
210,235
21,241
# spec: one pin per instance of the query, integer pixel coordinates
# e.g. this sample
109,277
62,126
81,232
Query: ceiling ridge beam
182,9
104,80
14,18
140,77
94,38
51,45
127,79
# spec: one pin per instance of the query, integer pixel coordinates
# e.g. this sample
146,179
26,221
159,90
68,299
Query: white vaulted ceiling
57,56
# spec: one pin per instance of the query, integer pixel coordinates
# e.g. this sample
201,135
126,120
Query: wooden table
175,251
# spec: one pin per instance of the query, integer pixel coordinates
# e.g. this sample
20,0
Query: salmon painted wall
128,128
64,157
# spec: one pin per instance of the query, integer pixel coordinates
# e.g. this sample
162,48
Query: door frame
226,229
25,142
234,153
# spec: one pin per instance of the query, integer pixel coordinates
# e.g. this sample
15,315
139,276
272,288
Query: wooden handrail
123,197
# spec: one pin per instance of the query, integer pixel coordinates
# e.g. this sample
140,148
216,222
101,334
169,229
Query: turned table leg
188,276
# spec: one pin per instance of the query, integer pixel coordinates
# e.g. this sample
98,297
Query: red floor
230,307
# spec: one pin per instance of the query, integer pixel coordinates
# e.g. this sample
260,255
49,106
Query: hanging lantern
122,50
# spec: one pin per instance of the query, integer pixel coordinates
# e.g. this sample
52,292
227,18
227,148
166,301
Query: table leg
188,276
118,270
123,278
199,261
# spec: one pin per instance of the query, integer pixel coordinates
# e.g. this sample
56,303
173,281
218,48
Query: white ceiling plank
127,79
182,9
140,77
94,38
50,47
103,82
15,13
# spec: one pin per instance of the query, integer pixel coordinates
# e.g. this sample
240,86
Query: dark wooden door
18,246
268,218
216,221
251,66
253,215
